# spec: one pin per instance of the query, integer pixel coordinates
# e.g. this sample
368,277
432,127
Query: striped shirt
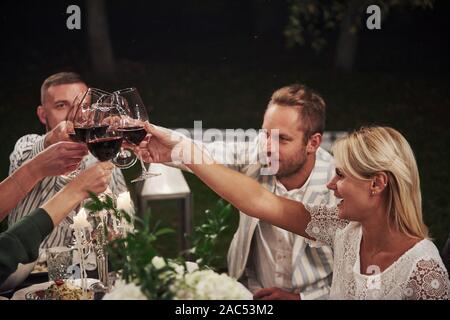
27,148
262,255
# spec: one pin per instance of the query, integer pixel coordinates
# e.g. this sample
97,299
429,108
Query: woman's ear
379,182
314,143
41,115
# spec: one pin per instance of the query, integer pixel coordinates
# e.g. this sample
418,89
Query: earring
373,192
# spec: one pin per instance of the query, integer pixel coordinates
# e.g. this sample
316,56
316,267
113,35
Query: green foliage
206,236
134,253
310,19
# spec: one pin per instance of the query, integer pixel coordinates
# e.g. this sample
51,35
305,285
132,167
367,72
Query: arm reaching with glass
58,159
243,192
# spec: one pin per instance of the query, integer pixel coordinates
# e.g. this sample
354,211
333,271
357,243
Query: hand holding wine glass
161,145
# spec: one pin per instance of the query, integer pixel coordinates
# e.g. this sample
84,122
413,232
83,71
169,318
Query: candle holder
99,241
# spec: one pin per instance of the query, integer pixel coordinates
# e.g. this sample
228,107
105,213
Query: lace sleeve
324,223
428,281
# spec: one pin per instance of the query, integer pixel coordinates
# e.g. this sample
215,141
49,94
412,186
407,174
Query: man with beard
271,262
274,263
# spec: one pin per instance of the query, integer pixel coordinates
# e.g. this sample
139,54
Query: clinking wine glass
134,114
126,158
104,140
80,117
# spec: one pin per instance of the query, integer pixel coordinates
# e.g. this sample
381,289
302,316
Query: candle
124,203
80,220
79,224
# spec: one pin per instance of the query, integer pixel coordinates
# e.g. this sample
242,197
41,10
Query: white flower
177,268
125,291
158,262
124,203
209,285
191,266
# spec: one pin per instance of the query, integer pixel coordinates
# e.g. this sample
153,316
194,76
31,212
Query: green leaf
164,231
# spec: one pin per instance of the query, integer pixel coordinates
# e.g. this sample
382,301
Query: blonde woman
381,245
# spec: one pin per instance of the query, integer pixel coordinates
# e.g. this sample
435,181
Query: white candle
124,203
80,220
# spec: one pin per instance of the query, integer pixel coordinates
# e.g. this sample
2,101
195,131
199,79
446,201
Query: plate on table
69,290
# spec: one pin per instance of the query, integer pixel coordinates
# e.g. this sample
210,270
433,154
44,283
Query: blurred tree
309,19
100,48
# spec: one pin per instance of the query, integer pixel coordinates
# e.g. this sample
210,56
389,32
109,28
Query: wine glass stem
144,170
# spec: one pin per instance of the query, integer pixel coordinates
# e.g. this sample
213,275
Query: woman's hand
160,145
95,179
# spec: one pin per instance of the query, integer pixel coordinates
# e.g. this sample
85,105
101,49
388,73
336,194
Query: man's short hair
310,105
58,79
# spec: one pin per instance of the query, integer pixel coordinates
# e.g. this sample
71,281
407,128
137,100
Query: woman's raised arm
243,192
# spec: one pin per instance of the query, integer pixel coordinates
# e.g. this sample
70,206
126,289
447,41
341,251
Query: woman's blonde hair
370,150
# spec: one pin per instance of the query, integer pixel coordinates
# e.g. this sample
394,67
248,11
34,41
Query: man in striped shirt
57,94
271,262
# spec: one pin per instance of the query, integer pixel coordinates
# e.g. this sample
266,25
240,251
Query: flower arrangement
144,274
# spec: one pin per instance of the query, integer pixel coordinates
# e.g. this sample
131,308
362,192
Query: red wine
82,132
98,131
73,137
133,135
105,149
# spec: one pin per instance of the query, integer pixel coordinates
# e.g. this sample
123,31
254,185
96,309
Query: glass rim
125,90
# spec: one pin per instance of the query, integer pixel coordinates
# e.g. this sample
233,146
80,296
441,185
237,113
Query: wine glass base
124,159
146,176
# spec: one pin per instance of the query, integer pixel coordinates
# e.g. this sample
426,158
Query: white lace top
418,274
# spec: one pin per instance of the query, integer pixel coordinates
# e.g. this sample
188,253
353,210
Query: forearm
15,188
63,202
249,196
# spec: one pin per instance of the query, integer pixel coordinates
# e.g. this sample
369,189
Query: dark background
219,61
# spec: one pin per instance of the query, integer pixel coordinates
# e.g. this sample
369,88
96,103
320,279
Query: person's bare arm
253,199
243,192
95,179
56,160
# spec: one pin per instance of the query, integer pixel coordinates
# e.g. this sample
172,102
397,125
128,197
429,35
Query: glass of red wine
80,119
125,158
104,139
134,114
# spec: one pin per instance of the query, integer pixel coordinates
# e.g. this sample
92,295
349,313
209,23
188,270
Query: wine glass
125,158
103,138
134,114
80,117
